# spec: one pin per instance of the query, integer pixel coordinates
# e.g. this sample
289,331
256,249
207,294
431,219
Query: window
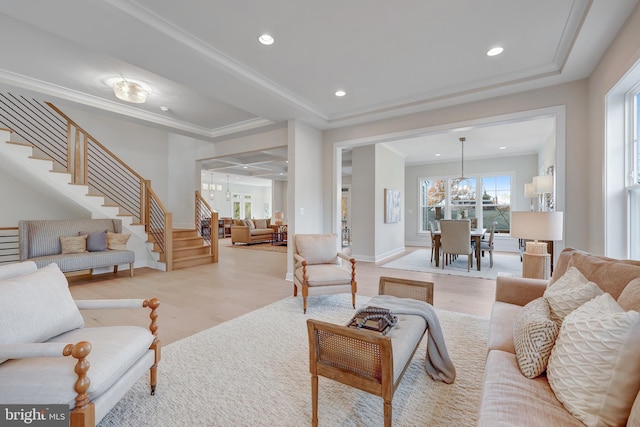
496,202
633,187
451,198
242,206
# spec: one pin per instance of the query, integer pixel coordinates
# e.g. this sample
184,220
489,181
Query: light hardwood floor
244,280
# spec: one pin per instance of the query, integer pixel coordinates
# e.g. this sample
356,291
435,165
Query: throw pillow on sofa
117,241
96,241
73,244
569,292
261,223
629,299
594,368
534,335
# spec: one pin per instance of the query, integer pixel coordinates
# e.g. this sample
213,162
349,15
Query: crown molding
42,87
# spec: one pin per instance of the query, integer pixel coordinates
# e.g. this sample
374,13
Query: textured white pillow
569,292
534,334
37,306
594,368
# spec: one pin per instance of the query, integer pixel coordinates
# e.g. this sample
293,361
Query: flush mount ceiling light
340,93
130,91
495,51
266,39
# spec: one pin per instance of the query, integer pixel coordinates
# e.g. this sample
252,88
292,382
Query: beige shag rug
254,371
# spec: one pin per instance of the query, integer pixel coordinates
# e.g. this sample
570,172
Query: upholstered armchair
318,267
47,356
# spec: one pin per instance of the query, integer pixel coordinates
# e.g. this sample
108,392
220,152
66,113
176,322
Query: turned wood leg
115,268
314,400
388,414
305,294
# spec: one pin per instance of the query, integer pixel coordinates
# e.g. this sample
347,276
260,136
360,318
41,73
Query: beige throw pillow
569,292
260,223
73,244
594,368
117,241
629,299
534,335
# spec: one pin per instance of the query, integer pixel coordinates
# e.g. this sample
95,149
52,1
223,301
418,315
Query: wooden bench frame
337,352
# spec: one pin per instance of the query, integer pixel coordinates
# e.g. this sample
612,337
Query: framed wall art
391,206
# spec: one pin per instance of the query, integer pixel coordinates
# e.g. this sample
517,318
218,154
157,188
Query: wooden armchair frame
83,414
300,261
360,358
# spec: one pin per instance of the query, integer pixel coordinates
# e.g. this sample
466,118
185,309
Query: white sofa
42,326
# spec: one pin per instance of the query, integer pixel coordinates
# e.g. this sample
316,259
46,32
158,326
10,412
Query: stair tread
24,144
176,259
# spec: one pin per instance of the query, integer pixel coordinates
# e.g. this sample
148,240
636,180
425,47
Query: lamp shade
543,184
529,192
537,225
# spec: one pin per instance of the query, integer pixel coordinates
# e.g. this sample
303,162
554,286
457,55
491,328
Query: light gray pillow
37,306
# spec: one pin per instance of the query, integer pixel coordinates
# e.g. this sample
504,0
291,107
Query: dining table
476,236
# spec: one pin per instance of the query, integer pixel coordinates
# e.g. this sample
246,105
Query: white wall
304,200
606,209
28,199
363,203
389,174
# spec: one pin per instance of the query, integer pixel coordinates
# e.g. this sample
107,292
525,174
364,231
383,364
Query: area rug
254,371
420,260
261,247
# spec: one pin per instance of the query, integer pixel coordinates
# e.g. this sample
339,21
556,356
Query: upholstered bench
364,359
40,242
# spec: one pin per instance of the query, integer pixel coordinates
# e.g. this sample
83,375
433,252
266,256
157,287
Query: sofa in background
40,242
252,231
47,356
508,397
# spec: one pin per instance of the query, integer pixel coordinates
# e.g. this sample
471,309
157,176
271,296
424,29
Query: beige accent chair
318,267
47,356
456,239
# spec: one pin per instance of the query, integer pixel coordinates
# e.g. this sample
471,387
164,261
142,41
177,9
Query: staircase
55,151
190,249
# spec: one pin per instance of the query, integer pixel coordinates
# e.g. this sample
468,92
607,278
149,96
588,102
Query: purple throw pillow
96,241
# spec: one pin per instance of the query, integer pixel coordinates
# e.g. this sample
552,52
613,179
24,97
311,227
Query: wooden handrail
45,127
204,212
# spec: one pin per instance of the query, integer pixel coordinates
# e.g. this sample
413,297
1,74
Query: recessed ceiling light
340,93
164,108
245,167
502,148
266,39
495,51
438,154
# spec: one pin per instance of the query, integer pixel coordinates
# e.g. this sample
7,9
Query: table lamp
546,225
278,216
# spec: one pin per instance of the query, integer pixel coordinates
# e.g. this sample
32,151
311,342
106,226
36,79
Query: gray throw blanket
438,364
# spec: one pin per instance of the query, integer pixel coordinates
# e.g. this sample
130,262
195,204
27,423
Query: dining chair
488,244
432,228
456,239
